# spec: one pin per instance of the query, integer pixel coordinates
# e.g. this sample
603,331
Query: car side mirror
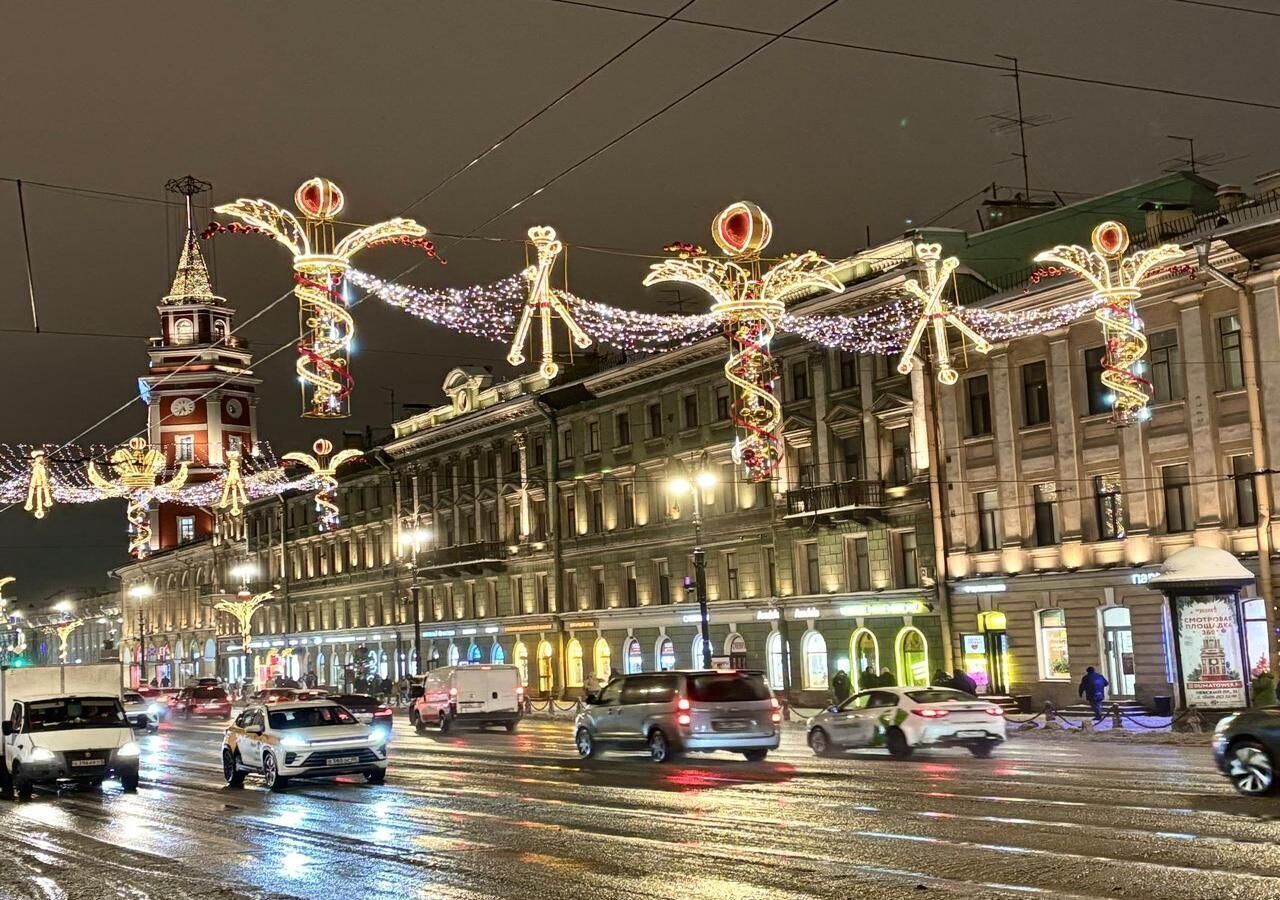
7,728
833,709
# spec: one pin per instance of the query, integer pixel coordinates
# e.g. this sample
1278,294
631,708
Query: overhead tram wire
1227,7
950,60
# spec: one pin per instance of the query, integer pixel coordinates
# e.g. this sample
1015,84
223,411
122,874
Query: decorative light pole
242,609
140,592
682,484
411,541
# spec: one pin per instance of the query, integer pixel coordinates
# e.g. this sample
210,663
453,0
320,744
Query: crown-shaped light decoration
325,469
138,469
545,303
749,303
936,312
1116,280
319,263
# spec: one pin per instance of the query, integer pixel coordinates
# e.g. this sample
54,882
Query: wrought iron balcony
852,499
474,557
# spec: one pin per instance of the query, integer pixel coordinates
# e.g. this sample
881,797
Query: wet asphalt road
496,815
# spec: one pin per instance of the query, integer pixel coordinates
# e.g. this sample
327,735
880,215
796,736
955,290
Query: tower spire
191,280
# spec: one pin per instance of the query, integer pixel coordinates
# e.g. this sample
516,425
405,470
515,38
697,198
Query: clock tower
199,388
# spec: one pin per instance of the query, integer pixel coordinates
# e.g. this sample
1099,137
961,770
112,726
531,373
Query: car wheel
585,743
231,771
659,746
129,781
21,785
419,726
820,742
1249,767
511,727
896,741
982,749
444,722
376,776
271,774
755,755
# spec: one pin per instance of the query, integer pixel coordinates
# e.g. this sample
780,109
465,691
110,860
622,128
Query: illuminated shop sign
439,633
807,612
1143,577
982,587
884,608
766,615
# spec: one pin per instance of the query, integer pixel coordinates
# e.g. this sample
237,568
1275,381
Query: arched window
474,654
545,680
773,654
1051,628
383,663
604,660
735,645
453,654
498,656
1255,636
864,653
666,654
573,663
184,331
520,657
634,657
698,644
814,650
913,658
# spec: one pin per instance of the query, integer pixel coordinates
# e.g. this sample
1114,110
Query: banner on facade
1209,647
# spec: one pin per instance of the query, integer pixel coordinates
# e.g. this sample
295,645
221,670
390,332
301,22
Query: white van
476,695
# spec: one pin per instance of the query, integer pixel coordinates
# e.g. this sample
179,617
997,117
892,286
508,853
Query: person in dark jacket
940,679
840,687
887,678
964,683
1093,688
868,679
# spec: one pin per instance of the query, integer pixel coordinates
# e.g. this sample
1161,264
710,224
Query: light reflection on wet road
496,815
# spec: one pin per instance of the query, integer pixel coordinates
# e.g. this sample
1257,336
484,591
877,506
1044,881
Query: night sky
390,98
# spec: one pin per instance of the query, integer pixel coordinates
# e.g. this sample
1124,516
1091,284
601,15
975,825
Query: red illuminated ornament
742,229
1110,238
319,198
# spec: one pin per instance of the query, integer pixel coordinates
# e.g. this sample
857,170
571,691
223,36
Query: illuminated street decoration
138,469
1116,280
748,303
319,264
325,470
243,609
936,314
39,497
234,497
545,303
64,631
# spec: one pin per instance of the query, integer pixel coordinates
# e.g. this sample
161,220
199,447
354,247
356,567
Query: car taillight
776,717
520,692
382,711
930,713
683,719
682,703
995,711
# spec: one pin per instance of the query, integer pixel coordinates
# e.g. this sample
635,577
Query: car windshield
727,688
133,698
66,713
310,717
939,695
209,693
357,701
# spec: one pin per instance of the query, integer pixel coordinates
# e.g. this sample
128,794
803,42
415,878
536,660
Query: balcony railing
835,497
481,554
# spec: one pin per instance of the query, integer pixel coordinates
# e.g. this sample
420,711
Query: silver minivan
672,712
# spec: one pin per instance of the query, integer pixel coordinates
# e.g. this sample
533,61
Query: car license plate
86,762
343,761
730,724
976,734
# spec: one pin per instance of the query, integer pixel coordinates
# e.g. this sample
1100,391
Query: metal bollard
1115,716
1051,722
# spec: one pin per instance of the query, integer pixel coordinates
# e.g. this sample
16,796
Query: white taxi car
301,740
901,719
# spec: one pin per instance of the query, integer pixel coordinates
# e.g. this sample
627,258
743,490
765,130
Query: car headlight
380,734
155,709
130,748
40,754
290,740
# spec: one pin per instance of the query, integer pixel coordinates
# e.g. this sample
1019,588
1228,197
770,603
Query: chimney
1230,196
1268,182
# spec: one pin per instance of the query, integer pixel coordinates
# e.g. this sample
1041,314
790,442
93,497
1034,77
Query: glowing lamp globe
1110,238
742,229
319,198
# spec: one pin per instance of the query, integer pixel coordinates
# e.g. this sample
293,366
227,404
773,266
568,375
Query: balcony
838,501
463,559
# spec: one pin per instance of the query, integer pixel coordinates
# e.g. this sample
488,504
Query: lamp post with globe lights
411,541
686,483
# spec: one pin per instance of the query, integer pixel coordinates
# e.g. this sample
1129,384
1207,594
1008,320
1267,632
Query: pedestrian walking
962,681
1093,688
590,685
1264,689
164,682
840,687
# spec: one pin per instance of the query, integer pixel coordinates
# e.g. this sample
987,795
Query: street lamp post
701,480
140,592
411,541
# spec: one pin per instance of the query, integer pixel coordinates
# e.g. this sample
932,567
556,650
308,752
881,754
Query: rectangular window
1177,498
1055,664
988,532
597,588
186,529
596,525
593,436
663,575
908,560
622,428
1229,351
571,589
1099,397
542,589
654,412
184,448
570,524
858,564
566,444
1162,350
723,407
900,444
979,402
1246,501
539,451
728,484
800,381
851,457
629,578
770,571
235,443
690,410
848,370
513,457
804,468
1044,508
517,594
626,505
1035,393
812,574
1109,507
731,575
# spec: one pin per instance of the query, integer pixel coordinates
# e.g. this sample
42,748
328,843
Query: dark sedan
1246,747
369,710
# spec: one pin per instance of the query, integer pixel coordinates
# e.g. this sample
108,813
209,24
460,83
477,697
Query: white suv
902,719
299,740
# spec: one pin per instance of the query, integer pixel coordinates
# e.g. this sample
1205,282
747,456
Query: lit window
1255,637
864,652
520,658
573,661
814,650
453,654
913,658
1055,663
184,448
666,655
544,667
1109,503
773,653
475,654
498,657
634,657
186,529
603,660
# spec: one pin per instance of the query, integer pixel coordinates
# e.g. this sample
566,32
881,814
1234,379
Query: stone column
1201,423
1070,489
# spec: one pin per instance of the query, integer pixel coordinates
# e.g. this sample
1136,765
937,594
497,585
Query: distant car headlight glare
380,734
129,749
40,754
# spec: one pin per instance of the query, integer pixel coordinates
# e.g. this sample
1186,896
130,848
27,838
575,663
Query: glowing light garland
750,305
545,303
319,263
325,471
1116,280
937,313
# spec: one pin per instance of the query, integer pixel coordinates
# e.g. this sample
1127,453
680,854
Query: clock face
183,406
234,409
